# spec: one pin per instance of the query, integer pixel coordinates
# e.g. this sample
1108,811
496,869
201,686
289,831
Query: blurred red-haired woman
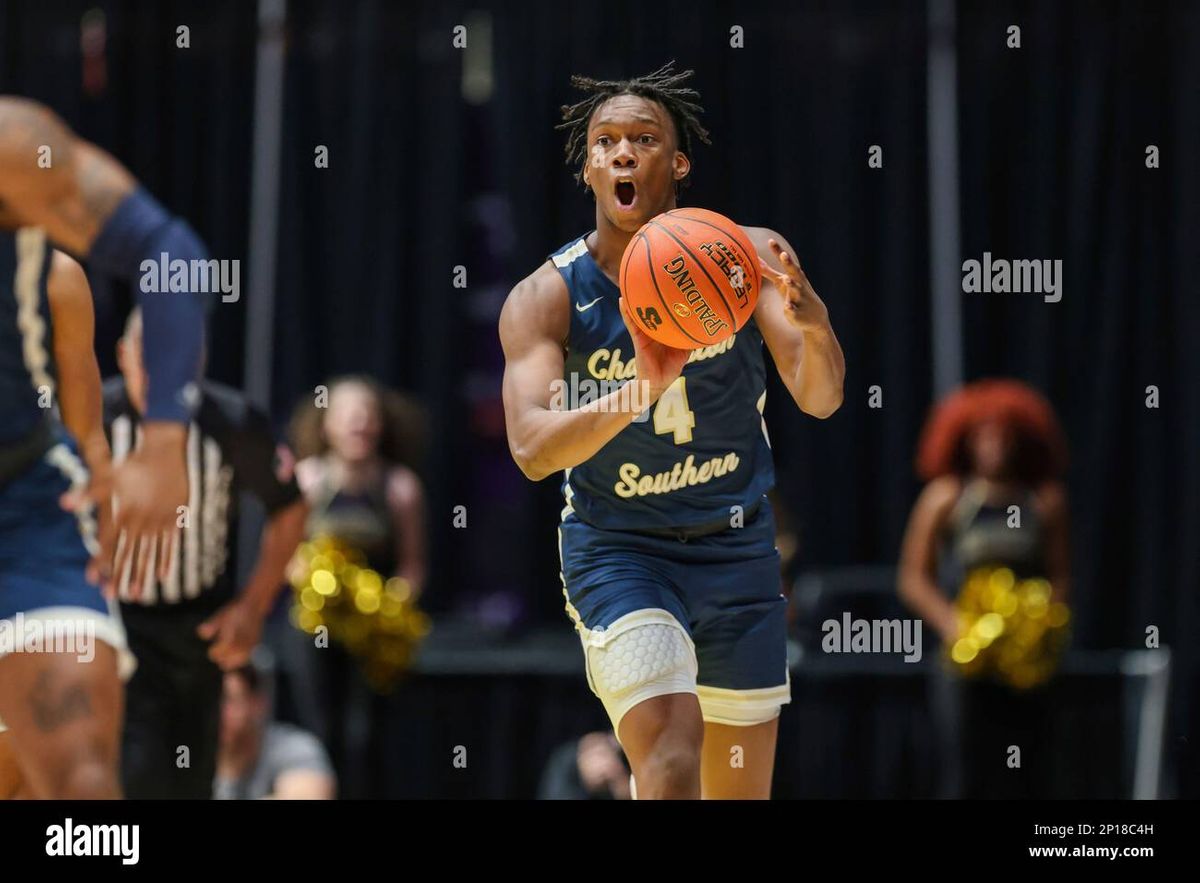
987,448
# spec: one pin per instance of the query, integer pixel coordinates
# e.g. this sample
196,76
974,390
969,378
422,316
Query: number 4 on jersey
672,413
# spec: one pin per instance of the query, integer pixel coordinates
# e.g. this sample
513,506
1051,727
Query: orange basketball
690,278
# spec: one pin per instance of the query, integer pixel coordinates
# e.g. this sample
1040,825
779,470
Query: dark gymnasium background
441,157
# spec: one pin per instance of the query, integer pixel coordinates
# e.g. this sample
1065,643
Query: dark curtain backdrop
179,119
426,176
1053,140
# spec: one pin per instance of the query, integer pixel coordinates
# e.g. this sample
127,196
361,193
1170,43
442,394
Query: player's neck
608,244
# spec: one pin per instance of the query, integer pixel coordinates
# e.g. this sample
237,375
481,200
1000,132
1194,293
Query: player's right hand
658,365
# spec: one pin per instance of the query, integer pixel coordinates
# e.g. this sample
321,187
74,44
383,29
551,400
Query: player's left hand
97,498
800,302
234,630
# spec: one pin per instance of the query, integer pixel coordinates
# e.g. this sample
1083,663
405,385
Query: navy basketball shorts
46,602
658,616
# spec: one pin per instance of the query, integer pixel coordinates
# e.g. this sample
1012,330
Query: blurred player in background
192,623
63,714
677,606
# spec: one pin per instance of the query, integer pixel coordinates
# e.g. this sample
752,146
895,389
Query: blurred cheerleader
986,448
355,469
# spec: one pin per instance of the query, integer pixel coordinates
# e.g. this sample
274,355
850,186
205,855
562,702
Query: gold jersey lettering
605,364
684,473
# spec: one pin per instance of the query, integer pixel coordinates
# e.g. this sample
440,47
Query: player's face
240,710
633,161
353,424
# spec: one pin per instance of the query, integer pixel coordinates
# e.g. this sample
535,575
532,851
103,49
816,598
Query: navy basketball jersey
26,369
693,455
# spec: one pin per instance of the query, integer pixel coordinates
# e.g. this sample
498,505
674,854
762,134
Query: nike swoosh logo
583,308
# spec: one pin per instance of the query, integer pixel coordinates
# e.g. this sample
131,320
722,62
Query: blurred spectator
259,758
991,446
590,768
357,452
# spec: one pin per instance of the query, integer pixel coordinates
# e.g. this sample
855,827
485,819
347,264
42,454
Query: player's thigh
61,712
739,625
737,762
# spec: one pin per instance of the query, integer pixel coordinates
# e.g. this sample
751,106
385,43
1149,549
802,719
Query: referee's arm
235,629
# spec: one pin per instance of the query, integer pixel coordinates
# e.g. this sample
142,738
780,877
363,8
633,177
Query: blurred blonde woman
355,466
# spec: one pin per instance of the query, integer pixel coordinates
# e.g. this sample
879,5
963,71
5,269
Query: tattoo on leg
54,707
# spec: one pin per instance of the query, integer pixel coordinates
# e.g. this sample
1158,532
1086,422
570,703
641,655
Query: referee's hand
234,630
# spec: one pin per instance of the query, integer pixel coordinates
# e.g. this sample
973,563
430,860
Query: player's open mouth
626,194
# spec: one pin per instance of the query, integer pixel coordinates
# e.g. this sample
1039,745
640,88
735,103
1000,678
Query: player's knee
640,664
83,769
89,778
670,770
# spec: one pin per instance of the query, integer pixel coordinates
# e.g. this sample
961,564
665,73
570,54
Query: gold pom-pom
375,619
1011,629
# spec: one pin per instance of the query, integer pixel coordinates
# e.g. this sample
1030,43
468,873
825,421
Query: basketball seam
750,263
716,287
666,309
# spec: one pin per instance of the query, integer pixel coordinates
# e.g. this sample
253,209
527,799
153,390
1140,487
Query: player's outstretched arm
91,206
534,327
795,326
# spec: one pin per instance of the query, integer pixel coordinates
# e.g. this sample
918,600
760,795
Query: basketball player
675,591
63,711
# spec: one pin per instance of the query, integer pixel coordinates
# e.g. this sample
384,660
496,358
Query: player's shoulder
67,285
760,235
24,121
543,285
539,304
15,108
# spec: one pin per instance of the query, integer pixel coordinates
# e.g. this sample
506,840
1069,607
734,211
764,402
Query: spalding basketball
690,278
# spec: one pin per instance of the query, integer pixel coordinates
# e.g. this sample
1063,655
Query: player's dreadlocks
663,86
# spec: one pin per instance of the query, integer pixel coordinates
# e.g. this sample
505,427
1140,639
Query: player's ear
683,165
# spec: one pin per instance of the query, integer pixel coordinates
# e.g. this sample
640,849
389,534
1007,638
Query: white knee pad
637,660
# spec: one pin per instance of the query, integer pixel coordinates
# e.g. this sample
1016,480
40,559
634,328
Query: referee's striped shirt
230,448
